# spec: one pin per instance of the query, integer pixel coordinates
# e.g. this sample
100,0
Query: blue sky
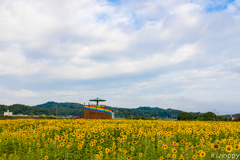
168,54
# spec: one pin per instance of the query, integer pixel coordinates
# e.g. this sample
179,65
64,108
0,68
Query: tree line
76,109
209,116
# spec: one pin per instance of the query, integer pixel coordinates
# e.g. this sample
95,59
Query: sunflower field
118,139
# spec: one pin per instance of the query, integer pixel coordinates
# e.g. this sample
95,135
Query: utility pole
171,113
214,114
117,112
217,115
56,111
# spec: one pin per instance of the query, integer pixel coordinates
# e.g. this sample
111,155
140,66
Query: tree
209,116
184,116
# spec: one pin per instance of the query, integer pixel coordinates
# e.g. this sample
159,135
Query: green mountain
147,111
26,110
76,109
65,109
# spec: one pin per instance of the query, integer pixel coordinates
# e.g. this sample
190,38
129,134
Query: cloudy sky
179,54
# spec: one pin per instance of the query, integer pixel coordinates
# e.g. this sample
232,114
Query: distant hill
65,109
147,111
26,110
77,109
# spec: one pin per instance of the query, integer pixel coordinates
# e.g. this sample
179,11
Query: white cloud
164,49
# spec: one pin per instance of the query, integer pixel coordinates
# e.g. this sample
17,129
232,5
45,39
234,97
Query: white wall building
7,113
235,116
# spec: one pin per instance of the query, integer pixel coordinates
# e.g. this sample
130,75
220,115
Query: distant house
235,116
113,116
20,114
7,113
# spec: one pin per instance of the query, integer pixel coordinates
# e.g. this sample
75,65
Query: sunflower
132,149
202,154
194,157
161,158
88,136
140,154
129,157
79,147
174,156
216,146
99,147
229,148
236,147
46,157
107,150
174,150
164,147
224,141
134,142
97,156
